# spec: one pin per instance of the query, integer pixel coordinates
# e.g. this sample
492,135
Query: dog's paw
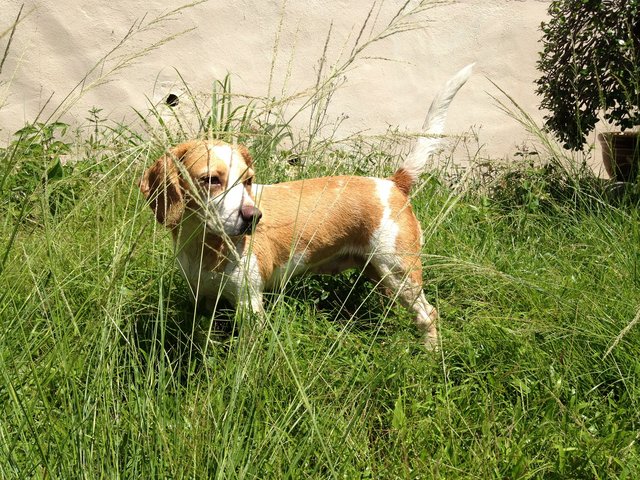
432,343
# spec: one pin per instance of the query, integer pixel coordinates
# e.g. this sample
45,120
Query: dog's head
211,180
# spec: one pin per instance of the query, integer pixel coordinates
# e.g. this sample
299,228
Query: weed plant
106,370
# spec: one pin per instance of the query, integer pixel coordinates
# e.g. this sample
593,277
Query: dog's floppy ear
160,185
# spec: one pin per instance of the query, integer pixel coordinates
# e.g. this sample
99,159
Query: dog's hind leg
406,285
426,315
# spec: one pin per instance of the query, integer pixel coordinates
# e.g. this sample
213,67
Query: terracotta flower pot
621,154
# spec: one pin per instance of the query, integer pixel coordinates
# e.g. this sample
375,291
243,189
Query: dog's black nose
250,214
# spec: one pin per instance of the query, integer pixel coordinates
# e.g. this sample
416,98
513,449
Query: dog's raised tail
413,166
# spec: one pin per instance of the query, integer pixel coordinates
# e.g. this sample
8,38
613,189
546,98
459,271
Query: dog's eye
210,181
249,181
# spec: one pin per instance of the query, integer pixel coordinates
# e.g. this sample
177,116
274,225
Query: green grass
106,371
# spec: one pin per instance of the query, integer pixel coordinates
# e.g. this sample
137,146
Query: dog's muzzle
251,216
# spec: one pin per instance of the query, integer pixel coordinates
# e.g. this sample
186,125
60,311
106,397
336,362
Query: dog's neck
191,239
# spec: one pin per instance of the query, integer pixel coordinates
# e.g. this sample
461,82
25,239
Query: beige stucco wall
58,41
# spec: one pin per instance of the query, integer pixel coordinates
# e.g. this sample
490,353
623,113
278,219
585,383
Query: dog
236,239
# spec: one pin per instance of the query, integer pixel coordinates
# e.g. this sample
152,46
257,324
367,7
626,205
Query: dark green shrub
590,64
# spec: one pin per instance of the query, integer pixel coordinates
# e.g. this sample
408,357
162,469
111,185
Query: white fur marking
229,204
383,239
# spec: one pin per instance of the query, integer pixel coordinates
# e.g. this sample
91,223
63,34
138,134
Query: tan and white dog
236,239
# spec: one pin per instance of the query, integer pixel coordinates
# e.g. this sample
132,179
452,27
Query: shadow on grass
182,329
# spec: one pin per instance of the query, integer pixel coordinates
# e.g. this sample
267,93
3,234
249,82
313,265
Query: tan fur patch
245,154
318,218
403,180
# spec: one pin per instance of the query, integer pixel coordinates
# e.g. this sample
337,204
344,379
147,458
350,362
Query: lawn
107,372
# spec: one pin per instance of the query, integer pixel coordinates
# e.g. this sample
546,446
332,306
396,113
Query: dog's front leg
250,302
248,286
249,306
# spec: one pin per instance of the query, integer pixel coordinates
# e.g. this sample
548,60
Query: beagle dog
236,239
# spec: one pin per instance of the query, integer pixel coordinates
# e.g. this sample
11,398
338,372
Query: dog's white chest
200,280
234,282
